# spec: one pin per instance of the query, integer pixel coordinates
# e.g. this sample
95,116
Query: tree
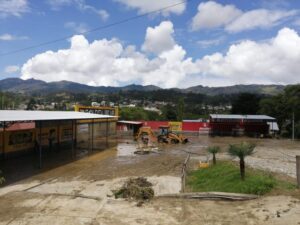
133,113
282,107
169,113
246,103
241,150
214,150
180,109
31,104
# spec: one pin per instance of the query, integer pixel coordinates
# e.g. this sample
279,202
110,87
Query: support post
93,121
72,139
293,127
40,145
75,141
3,141
298,170
106,133
58,135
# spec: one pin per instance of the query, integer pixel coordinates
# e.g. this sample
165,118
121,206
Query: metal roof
250,117
22,115
130,122
198,120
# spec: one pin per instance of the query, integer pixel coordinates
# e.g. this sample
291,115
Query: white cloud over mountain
146,6
213,15
272,61
109,62
159,38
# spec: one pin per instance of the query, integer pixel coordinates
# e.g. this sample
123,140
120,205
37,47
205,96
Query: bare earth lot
80,192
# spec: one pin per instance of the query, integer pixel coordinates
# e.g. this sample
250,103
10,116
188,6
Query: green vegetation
246,103
241,151
137,113
174,104
214,150
282,107
225,177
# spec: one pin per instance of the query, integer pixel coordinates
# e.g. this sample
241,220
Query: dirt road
80,192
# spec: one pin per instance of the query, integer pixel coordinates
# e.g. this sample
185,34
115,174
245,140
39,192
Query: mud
80,192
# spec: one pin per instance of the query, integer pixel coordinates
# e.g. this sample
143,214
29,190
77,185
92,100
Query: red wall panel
194,126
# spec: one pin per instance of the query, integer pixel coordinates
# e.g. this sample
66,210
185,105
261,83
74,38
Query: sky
189,43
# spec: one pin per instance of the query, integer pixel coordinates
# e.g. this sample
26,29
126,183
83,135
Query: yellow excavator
165,136
145,133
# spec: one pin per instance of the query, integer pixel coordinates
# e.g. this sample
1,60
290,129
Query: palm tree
213,150
241,150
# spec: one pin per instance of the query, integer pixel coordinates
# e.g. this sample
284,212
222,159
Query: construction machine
145,134
167,136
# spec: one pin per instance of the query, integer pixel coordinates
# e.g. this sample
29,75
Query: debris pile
135,189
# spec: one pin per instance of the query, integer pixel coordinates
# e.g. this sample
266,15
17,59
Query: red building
235,125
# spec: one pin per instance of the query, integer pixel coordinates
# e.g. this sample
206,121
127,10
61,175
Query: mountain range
32,86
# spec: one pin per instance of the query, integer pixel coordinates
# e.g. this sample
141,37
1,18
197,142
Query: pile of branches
135,189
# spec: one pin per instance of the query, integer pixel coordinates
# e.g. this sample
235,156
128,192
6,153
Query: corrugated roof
130,122
232,116
22,115
21,126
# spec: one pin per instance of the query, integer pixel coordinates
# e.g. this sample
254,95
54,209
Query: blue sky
212,43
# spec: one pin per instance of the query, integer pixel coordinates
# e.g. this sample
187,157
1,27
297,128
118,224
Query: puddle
126,149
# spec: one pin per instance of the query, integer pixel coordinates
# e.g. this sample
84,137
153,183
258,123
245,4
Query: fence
184,172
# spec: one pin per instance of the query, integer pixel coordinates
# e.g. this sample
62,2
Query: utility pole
293,127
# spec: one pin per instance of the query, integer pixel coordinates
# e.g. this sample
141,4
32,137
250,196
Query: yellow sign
102,110
175,126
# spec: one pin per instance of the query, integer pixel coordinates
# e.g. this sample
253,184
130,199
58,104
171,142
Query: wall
194,126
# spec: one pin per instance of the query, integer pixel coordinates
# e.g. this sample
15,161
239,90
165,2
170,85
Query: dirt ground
80,192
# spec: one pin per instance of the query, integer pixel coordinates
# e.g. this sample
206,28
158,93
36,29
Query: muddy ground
80,192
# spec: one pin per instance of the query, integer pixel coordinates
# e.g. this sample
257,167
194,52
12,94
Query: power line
94,29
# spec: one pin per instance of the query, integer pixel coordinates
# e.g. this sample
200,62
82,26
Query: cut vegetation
225,177
135,189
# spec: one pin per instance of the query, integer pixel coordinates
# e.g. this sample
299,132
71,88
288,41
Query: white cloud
103,14
13,7
260,18
12,69
77,27
210,42
159,38
109,62
273,61
10,37
81,5
146,6
213,15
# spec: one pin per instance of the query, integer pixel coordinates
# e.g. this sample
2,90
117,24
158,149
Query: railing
184,172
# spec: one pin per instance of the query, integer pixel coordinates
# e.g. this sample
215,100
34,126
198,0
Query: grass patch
225,177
